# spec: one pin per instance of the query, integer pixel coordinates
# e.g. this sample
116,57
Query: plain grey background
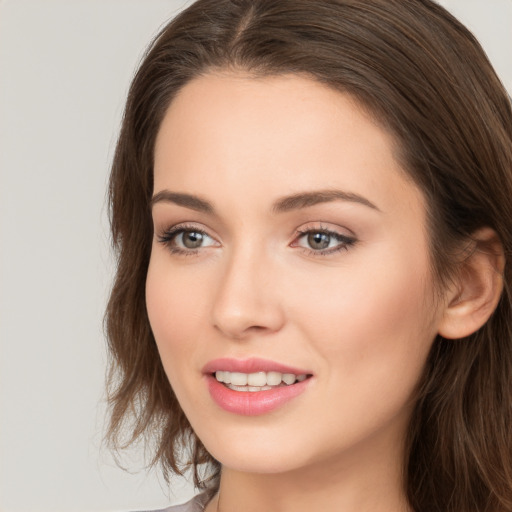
65,66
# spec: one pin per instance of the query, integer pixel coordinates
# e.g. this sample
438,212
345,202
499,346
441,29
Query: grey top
196,504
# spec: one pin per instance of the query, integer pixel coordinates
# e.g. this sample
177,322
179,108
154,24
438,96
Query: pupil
192,240
318,240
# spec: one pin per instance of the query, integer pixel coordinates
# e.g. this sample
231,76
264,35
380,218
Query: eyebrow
282,205
186,200
307,199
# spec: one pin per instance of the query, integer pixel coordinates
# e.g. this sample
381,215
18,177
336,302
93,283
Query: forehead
280,110
282,134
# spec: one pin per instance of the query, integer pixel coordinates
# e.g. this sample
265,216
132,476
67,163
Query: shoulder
196,504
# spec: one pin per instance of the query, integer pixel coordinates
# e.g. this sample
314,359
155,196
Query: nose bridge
247,296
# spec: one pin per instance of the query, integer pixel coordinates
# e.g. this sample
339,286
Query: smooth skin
337,281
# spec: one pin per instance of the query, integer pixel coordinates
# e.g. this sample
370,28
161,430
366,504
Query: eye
183,239
323,241
319,241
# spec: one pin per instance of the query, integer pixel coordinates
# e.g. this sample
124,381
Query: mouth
254,386
258,381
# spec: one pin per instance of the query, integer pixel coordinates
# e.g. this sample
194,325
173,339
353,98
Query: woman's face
290,246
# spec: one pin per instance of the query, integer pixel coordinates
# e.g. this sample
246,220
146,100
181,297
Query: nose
248,297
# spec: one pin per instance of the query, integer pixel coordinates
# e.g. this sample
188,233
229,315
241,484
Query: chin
261,463
257,452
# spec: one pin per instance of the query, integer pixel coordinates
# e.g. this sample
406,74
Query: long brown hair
421,74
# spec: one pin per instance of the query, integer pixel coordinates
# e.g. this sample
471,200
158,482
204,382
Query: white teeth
238,379
258,388
257,381
248,388
274,378
288,378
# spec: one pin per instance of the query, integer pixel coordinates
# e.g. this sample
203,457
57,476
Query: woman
311,208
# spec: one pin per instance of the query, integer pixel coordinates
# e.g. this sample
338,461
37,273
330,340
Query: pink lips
250,403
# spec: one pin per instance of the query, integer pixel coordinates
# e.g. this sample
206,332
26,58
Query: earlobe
477,289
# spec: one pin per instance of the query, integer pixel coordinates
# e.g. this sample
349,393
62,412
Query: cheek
173,313
371,333
174,307
371,322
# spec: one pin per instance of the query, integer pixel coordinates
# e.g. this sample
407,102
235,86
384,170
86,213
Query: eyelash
345,242
169,235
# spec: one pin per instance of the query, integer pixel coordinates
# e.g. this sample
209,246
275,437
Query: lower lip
253,403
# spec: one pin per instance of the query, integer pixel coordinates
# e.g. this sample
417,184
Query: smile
254,386
259,381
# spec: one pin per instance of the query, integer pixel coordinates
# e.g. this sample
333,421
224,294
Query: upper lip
251,365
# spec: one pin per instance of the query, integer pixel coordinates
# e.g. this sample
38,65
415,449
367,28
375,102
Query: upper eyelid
319,230
185,226
335,234
326,227
168,235
181,228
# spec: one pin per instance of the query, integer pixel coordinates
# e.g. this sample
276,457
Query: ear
476,291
